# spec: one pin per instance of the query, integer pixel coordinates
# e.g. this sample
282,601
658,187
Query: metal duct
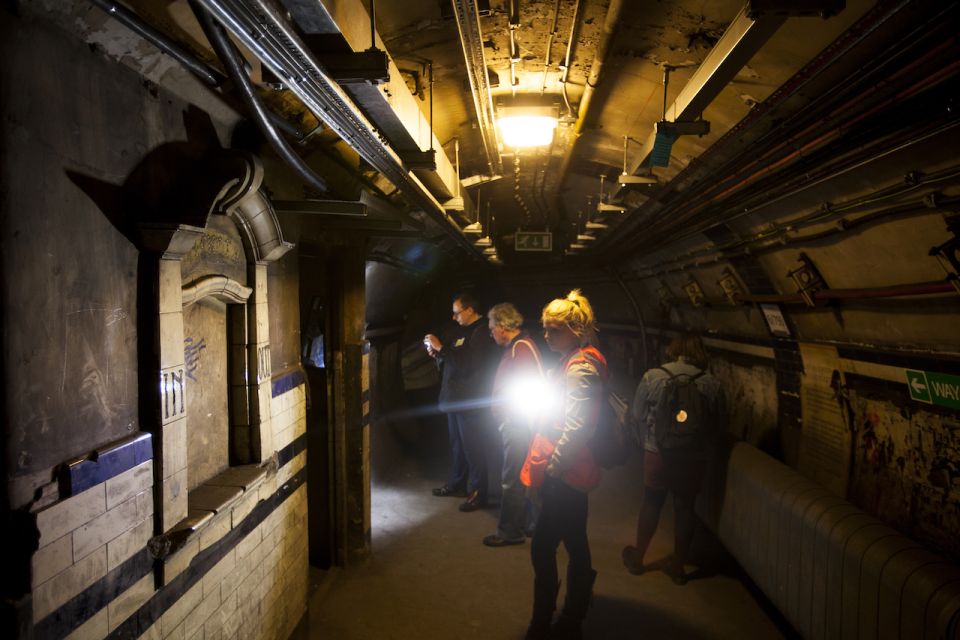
261,28
471,40
212,77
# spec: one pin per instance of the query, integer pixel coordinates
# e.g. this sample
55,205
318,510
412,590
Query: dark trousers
513,504
563,518
468,446
682,476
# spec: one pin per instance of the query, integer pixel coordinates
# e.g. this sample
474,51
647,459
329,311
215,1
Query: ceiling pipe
231,61
270,37
574,23
550,38
204,72
606,37
471,42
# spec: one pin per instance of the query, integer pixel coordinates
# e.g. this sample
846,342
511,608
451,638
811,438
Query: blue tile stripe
287,381
85,605
107,462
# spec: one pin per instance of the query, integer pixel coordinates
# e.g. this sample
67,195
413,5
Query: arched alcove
212,308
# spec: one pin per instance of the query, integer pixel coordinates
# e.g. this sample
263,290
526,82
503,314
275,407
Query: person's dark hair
690,347
468,300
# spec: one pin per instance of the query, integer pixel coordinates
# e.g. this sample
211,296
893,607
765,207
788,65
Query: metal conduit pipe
609,29
231,61
863,28
263,30
467,17
894,291
204,72
132,21
550,37
639,315
574,23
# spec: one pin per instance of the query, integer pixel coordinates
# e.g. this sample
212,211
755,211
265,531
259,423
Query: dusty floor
430,577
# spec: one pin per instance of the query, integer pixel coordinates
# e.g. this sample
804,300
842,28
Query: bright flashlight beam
530,397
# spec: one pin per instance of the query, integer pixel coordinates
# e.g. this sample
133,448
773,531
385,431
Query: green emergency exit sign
533,241
934,388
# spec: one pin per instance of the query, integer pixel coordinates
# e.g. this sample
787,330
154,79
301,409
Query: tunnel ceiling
600,64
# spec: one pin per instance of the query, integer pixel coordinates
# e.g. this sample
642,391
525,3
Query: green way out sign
934,388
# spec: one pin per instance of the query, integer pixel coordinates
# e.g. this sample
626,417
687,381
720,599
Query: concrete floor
430,577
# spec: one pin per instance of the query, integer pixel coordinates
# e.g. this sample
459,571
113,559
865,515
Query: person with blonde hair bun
562,469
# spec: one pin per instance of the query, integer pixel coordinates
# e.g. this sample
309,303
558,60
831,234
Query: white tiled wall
258,590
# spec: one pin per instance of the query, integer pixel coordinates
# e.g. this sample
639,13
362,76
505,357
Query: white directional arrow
918,386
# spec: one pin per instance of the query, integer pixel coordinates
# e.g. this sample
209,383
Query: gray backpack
681,419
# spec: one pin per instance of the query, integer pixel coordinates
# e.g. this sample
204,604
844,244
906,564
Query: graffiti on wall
172,391
907,469
751,402
191,354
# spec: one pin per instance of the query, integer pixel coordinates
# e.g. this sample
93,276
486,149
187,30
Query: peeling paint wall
751,400
907,469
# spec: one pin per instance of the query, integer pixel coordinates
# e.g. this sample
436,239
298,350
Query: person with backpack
679,411
518,381
561,467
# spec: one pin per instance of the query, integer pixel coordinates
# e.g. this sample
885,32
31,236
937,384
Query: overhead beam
269,36
393,109
742,39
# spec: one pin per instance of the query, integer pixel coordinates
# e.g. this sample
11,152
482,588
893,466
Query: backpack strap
529,345
666,371
677,375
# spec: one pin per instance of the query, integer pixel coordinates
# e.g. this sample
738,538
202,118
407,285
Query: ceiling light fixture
521,132
524,124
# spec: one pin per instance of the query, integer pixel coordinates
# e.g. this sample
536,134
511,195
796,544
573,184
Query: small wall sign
934,388
775,320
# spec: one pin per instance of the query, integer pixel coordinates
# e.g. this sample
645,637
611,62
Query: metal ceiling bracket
357,66
742,39
808,280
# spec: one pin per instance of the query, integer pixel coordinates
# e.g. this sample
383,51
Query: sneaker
449,492
473,502
632,560
676,573
497,541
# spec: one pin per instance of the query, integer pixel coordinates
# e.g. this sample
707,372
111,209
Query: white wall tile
203,611
128,543
52,559
106,527
127,603
56,591
94,628
129,483
66,515
176,614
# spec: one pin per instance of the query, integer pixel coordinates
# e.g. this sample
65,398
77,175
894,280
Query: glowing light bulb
527,131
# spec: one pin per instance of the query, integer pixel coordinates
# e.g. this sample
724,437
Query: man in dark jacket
466,379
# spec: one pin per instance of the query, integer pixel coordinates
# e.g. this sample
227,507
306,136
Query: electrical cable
228,54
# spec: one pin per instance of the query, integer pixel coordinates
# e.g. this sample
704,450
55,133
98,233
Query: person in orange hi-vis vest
561,463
